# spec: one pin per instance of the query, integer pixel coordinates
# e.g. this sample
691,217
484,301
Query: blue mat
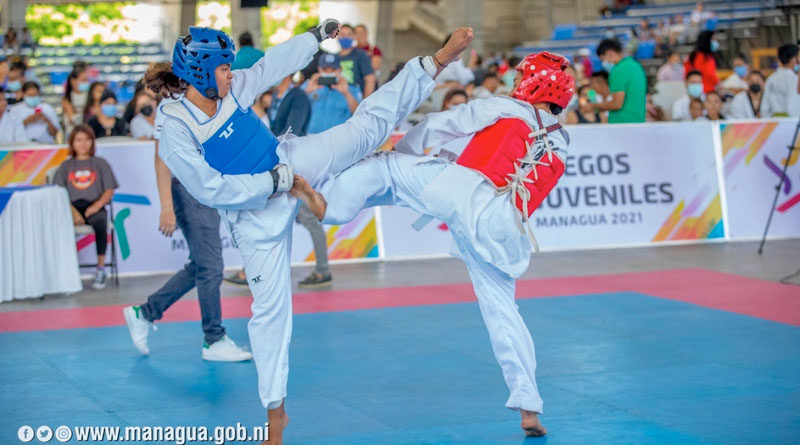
617,368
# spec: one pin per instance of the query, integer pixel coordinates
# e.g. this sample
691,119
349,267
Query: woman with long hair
76,95
704,59
225,158
90,183
92,108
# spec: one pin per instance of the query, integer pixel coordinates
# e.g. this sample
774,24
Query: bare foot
531,424
277,419
302,190
458,42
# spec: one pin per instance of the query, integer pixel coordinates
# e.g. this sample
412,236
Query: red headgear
544,79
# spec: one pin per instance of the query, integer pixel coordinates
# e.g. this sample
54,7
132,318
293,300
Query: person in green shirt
247,55
627,82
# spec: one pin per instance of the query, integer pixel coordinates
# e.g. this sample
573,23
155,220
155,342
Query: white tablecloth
37,245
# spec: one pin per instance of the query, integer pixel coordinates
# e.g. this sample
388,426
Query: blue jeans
200,227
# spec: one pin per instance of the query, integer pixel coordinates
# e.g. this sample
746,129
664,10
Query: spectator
107,123
356,64
261,107
375,53
508,76
654,112
332,103
585,113
488,88
130,108
92,108
645,31
247,55
478,72
76,94
599,84
143,123
454,97
90,183
736,83
696,108
627,84
678,32
781,87
30,75
4,67
290,109
713,106
704,60
694,90
748,104
40,119
672,70
11,127
700,16
11,43
16,77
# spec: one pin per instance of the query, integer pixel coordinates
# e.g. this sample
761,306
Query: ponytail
160,79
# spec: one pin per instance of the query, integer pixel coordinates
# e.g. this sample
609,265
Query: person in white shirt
143,123
40,119
672,71
736,83
780,91
747,104
694,90
11,128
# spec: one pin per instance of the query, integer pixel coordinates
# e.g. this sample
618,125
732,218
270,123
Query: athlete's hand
166,222
328,29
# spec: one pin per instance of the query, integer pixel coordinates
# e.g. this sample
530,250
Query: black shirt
119,128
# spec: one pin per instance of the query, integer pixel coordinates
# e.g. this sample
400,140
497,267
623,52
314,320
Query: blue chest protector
234,141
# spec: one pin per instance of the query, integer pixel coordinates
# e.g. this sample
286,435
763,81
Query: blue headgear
197,55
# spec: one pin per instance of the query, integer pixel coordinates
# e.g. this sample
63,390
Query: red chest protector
503,153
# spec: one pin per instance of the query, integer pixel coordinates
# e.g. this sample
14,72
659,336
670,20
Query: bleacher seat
646,50
564,32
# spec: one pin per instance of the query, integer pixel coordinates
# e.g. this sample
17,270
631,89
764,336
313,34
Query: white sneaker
100,280
225,350
138,327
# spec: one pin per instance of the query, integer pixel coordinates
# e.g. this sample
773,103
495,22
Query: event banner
754,155
623,185
140,246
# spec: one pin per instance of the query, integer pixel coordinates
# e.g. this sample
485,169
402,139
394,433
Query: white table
37,245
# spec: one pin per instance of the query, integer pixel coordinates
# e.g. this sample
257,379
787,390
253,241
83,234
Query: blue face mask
14,85
695,89
607,66
83,87
740,70
33,101
796,68
346,42
109,110
714,46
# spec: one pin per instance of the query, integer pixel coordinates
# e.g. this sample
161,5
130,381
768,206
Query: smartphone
327,80
592,96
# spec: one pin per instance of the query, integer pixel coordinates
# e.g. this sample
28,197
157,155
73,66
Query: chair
564,32
646,50
85,229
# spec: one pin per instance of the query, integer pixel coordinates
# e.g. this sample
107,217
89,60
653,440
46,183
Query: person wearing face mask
76,94
704,60
356,64
736,83
16,77
627,83
780,91
11,127
40,119
748,104
694,90
107,123
143,123
583,113
672,71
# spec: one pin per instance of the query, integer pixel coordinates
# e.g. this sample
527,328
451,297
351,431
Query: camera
327,80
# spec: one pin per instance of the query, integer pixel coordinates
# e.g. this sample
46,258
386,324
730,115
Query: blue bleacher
568,38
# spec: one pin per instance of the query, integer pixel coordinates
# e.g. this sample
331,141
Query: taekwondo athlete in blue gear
260,220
